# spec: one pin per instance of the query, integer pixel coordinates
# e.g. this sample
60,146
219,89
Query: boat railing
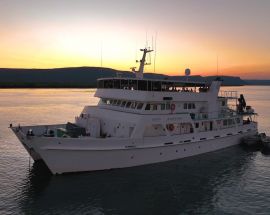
214,115
228,94
152,85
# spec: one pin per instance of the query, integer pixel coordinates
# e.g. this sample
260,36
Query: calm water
231,181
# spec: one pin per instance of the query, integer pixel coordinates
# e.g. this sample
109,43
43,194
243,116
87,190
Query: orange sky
38,34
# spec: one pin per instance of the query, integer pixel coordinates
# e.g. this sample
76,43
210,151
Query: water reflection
228,181
188,186
265,151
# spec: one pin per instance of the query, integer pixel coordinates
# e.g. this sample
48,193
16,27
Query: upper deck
156,90
152,85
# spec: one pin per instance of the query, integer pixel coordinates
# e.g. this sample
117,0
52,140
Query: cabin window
154,107
139,106
162,106
114,102
118,102
231,122
123,103
128,104
147,107
149,85
116,84
192,115
189,106
156,86
204,116
100,84
133,105
168,106
142,85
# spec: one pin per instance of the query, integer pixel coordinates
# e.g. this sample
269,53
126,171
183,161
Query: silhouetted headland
85,77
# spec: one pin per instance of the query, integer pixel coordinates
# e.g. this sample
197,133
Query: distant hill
257,82
85,77
62,77
228,80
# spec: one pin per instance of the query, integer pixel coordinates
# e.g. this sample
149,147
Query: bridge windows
133,105
118,102
153,106
147,107
139,106
123,104
128,104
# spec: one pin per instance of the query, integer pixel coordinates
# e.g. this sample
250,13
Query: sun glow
113,40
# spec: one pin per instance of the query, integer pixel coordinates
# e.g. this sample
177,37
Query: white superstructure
141,121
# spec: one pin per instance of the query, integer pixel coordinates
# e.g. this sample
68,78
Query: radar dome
187,72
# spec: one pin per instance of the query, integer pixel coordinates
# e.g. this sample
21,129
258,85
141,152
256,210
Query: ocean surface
235,180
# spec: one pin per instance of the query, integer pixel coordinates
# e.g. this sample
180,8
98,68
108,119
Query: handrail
228,94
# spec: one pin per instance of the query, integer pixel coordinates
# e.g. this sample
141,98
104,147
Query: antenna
155,54
136,52
101,57
146,40
152,43
217,65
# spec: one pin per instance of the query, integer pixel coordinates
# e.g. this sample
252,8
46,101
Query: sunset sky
190,33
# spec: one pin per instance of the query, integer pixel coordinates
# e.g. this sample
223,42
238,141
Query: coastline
86,77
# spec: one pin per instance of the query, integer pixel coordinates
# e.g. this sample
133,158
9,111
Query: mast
139,73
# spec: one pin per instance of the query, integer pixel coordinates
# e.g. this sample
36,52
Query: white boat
141,121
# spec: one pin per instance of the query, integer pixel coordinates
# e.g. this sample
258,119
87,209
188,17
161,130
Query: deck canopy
149,84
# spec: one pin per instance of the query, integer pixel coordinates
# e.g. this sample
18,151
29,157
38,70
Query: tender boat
252,140
265,141
141,121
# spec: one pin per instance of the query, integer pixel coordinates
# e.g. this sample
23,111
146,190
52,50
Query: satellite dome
187,72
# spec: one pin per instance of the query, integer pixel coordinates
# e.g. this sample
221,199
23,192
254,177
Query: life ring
172,107
170,127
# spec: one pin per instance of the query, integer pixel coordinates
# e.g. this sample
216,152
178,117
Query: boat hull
26,143
76,160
